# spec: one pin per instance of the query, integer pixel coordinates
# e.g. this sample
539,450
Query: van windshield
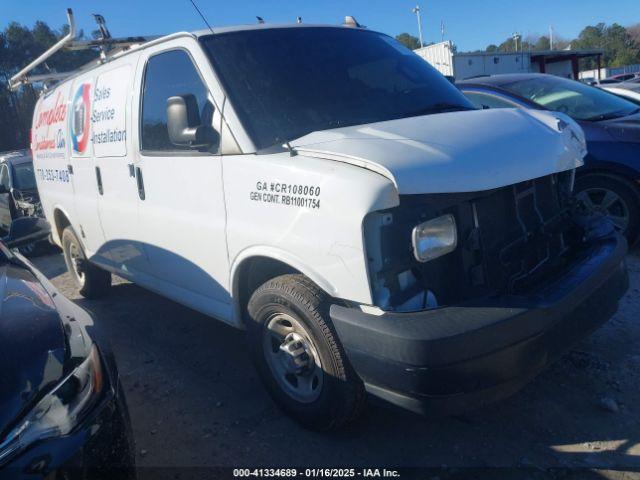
287,82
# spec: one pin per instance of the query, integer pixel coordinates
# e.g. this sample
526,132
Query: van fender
273,253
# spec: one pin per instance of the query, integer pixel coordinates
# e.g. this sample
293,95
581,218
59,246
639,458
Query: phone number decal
289,194
52,175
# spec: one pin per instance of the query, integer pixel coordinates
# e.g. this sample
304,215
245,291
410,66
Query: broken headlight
58,412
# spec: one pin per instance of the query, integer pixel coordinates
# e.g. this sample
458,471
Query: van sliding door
82,163
117,195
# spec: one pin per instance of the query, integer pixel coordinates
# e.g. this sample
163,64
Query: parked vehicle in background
589,80
628,90
330,192
19,194
62,410
622,77
609,182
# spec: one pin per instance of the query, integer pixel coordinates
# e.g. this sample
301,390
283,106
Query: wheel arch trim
58,229
270,253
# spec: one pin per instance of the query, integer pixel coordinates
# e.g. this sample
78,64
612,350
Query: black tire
628,194
340,396
90,280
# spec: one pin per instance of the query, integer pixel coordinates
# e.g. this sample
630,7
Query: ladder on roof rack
107,45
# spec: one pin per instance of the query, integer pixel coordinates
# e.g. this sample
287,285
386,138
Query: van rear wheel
91,281
298,355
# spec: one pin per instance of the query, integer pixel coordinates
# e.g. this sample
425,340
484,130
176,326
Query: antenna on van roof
201,15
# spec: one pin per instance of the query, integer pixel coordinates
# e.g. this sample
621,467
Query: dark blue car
62,409
609,182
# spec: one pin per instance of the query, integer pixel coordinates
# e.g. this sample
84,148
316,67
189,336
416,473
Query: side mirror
184,125
25,230
3,189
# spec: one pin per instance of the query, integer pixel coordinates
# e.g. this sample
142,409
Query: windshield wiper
439,108
610,116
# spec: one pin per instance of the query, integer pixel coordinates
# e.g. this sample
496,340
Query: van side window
167,75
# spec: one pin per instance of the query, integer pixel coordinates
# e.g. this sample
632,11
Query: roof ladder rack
21,78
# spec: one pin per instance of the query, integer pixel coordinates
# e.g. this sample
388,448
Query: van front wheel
91,281
298,356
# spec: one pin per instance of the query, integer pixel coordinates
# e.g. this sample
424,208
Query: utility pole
550,37
442,29
416,10
516,37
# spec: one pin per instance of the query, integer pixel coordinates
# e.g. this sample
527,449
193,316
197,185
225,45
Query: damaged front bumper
459,357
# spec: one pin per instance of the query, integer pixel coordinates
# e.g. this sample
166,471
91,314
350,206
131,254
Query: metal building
563,63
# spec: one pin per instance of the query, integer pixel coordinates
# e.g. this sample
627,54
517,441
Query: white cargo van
329,192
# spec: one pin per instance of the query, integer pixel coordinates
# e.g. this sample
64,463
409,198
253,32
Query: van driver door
182,216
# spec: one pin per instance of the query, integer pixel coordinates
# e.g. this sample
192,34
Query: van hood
457,151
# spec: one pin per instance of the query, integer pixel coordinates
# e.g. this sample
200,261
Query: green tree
543,43
634,32
408,40
19,45
619,46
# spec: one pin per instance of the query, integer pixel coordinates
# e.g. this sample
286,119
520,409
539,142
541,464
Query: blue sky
471,24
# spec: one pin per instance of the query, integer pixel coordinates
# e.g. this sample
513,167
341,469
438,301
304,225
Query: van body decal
108,117
48,133
81,112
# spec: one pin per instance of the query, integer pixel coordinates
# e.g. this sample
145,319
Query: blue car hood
32,343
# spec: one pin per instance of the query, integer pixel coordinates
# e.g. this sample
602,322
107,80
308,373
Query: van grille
509,239
521,230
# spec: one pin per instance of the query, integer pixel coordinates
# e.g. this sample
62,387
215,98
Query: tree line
19,45
621,45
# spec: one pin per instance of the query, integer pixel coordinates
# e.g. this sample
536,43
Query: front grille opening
510,239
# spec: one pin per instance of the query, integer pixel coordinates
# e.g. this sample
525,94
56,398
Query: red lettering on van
55,114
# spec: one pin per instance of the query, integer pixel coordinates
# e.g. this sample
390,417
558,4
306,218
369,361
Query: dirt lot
195,400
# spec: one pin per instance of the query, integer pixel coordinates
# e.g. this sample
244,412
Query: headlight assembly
58,412
434,238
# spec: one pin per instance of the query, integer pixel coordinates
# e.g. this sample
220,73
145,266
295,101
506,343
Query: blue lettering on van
52,175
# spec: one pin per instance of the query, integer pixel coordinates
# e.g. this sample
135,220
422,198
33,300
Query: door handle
99,181
140,182
70,169
132,170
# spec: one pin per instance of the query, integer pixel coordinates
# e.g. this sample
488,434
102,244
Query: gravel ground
195,400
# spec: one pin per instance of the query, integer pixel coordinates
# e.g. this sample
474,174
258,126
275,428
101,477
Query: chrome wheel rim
76,260
608,203
292,358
